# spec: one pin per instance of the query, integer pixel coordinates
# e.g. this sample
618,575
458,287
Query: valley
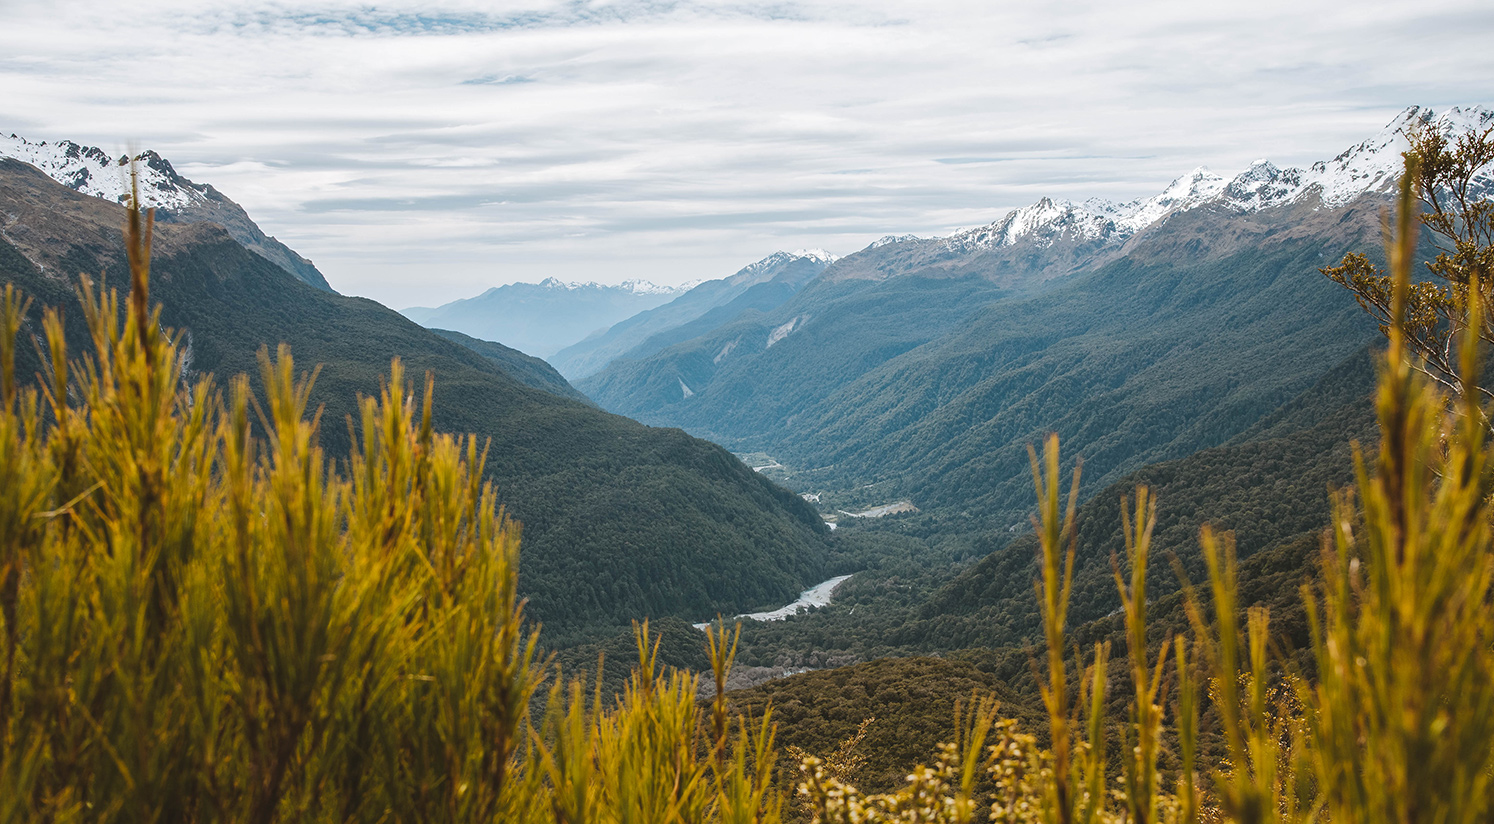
720,537
836,451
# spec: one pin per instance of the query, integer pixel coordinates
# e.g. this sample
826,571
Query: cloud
425,151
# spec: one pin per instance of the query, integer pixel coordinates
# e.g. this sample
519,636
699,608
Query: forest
576,477
207,616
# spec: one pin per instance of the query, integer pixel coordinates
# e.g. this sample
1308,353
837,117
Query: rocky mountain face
542,318
761,286
176,199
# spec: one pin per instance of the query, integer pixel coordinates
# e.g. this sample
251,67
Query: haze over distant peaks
541,318
88,169
760,286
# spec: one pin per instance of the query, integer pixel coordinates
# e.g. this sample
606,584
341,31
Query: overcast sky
420,152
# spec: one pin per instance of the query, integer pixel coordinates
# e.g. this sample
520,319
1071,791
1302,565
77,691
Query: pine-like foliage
204,619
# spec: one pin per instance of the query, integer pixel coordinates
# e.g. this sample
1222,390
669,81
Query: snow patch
685,390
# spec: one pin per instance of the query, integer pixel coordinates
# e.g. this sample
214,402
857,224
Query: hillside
621,520
762,286
930,388
1268,485
745,383
911,701
530,371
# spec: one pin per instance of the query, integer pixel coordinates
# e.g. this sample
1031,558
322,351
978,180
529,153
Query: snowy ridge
891,239
1370,166
816,255
635,287
89,170
778,259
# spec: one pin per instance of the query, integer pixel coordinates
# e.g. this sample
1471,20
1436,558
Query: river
816,596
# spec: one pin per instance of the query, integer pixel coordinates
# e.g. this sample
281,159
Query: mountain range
621,520
1184,340
542,318
921,368
761,286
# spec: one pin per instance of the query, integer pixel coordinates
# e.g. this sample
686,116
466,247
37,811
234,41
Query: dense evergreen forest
621,520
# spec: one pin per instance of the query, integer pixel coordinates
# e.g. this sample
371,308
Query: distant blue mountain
763,286
542,318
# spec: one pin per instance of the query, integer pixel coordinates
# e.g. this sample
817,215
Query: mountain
176,199
525,369
543,318
620,520
1269,486
761,286
921,368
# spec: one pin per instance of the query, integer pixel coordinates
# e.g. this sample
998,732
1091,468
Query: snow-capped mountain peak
770,266
1367,167
89,170
816,255
891,239
1186,192
635,287
1042,224
644,287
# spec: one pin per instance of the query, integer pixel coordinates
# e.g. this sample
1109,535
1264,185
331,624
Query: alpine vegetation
207,619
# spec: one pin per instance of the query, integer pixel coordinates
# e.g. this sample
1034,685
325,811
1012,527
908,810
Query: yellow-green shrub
205,619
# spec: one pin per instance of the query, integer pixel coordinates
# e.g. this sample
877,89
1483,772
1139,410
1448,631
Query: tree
1452,180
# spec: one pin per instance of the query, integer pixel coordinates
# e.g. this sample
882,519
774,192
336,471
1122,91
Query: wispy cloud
421,151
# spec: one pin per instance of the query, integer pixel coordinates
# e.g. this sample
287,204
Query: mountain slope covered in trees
525,369
761,286
1269,487
930,387
621,520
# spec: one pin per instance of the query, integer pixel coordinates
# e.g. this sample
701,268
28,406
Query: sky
423,152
